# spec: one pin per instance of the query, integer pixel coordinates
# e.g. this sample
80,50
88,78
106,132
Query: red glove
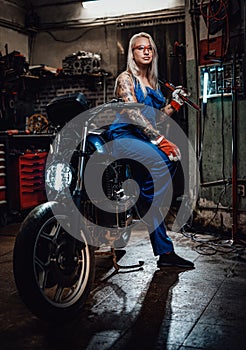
169,148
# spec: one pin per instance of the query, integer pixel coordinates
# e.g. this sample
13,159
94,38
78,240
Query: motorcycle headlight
58,176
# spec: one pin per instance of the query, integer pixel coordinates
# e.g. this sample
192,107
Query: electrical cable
202,141
223,153
222,132
211,243
217,206
212,15
70,40
223,150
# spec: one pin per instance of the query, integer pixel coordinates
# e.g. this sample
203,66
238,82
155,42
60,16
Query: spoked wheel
53,271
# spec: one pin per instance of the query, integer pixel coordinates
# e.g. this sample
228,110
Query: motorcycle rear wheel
53,271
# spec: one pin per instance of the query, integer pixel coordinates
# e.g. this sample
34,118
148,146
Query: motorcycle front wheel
53,271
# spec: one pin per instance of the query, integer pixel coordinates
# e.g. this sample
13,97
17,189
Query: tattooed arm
125,88
125,91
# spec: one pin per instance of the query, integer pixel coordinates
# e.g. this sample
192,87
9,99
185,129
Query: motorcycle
55,249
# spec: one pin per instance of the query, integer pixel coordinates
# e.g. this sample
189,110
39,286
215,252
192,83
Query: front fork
78,191
82,153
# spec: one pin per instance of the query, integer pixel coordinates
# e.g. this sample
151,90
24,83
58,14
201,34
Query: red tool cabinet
3,196
28,171
22,173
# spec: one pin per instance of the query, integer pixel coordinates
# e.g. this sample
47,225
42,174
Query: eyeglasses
143,48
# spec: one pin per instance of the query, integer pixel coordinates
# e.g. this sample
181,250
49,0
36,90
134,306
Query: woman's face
142,51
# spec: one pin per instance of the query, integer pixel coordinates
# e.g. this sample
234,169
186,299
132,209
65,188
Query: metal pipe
234,152
185,99
216,182
226,209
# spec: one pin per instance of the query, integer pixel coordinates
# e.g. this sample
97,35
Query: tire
53,278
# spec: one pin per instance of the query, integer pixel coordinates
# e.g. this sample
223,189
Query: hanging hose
220,15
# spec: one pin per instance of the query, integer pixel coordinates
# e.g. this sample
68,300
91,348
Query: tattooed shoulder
125,79
125,88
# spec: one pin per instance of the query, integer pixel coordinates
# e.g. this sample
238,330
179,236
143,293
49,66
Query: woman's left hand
169,148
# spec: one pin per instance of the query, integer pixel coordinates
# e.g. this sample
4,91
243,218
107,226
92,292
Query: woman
138,139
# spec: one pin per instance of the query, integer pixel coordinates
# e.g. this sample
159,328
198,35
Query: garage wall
51,47
92,29
15,41
51,43
12,23
211,135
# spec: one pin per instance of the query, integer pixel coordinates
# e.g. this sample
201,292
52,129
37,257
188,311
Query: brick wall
96,90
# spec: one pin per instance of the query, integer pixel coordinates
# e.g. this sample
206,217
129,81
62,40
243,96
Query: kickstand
116,265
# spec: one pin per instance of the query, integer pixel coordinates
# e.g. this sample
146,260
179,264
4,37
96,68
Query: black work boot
172,259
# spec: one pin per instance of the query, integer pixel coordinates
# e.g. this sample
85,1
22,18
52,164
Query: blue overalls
133,144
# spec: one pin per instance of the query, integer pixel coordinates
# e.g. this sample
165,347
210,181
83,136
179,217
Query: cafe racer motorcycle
54,252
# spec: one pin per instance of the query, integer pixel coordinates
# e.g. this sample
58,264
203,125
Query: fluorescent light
205,87
83,3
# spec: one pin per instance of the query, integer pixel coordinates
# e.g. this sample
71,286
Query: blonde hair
132,68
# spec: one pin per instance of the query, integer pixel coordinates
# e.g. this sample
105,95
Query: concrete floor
203,308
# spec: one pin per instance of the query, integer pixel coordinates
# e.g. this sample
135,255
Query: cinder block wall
53,87
94,93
